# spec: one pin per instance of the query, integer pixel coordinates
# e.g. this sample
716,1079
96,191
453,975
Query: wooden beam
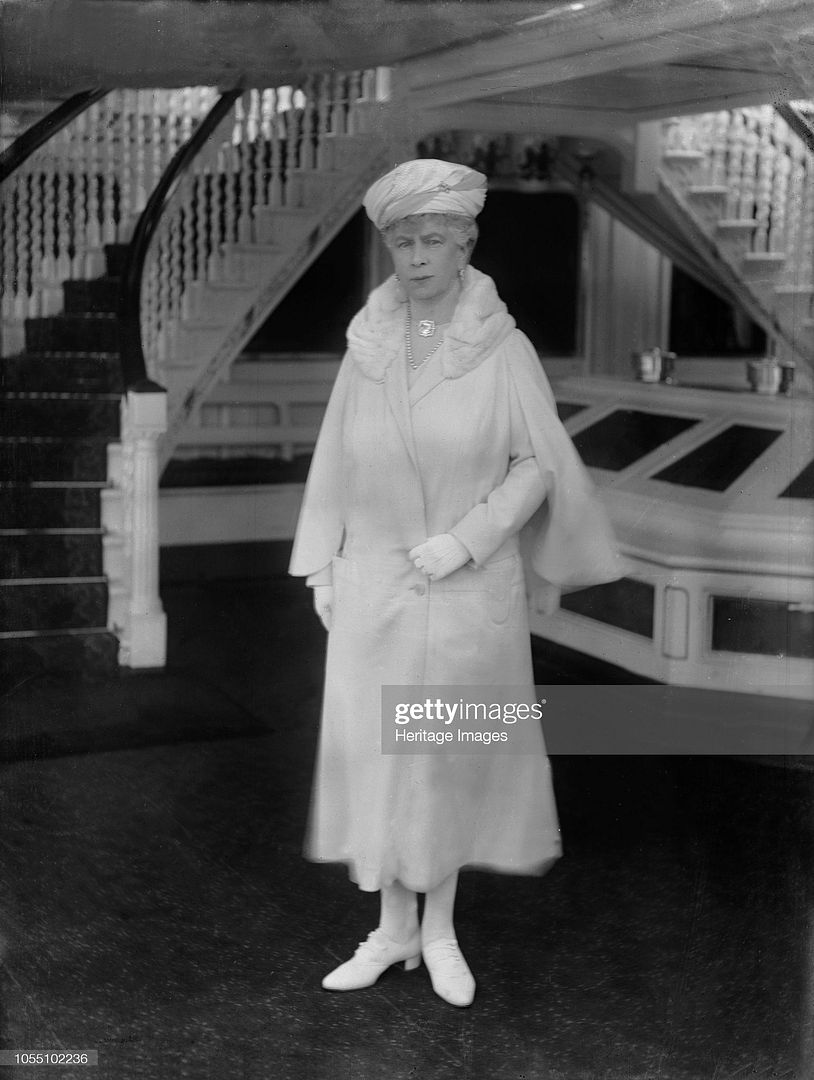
528,119
539,55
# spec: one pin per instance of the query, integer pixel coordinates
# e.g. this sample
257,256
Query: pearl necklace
411,360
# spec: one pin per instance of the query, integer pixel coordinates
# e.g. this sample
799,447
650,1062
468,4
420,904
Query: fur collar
480,323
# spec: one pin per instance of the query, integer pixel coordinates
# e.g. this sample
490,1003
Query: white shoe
451,978
374,956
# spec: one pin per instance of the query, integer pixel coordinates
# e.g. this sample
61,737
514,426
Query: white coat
473,448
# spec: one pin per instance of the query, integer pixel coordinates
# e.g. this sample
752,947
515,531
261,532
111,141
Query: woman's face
426,256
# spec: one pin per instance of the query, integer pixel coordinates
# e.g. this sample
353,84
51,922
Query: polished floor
155,907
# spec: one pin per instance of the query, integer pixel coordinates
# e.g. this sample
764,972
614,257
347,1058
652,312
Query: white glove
323,603
440,556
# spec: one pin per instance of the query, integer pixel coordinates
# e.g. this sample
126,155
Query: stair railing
253,149
764,172
257,155
77,181
186,158
135,612
27,143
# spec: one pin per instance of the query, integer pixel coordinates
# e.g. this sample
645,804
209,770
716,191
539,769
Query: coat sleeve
321,523
485,528
569,541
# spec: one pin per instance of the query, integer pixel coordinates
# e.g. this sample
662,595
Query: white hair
463,228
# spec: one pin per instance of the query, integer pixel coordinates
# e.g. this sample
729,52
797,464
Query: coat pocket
497,587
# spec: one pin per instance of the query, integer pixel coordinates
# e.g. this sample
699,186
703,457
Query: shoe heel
412,963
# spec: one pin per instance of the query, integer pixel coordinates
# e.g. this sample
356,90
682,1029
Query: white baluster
384,84
188,114
63,226
276,131
142,125
765,173
123,145
176,261
230,192
749,176
796,205
258,152
734,162
369,85
354,83
9,261
263,159
324,155
213,176
310,120
186,202
780,185
35,176
339,106
672,135
23,308
47,298
703,139
243,155
292,137
109,169
717,170
202,219
80,158
172,140
158,103
806,245
163,276
94,263
12,312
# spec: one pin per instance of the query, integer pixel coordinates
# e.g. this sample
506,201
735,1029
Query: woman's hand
440,556
323,603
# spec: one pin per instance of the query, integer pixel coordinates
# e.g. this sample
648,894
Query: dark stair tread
61,372
27,507
51,555
94,295
53,605
50,459
115,256
88,654
59,409
67,333
65,417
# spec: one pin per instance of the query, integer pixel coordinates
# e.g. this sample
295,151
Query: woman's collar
480,323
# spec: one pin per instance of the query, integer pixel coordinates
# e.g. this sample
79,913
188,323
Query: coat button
419,590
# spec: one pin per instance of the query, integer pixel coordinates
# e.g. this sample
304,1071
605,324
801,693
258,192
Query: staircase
740,185
59,409
277,175
255,212
262,196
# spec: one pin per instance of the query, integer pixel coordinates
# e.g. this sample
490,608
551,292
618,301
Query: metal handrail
134,368
38,134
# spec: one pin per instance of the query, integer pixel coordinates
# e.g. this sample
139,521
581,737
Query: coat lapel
395,388
428,379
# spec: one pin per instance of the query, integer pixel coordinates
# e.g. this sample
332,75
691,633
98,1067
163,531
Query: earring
461,274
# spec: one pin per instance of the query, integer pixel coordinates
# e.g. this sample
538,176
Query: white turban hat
425,186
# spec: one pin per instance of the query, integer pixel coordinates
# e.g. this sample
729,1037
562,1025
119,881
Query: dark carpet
155,906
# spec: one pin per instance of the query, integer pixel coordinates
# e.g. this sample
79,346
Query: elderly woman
439,445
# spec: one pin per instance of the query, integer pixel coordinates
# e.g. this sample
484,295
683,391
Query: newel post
144,420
